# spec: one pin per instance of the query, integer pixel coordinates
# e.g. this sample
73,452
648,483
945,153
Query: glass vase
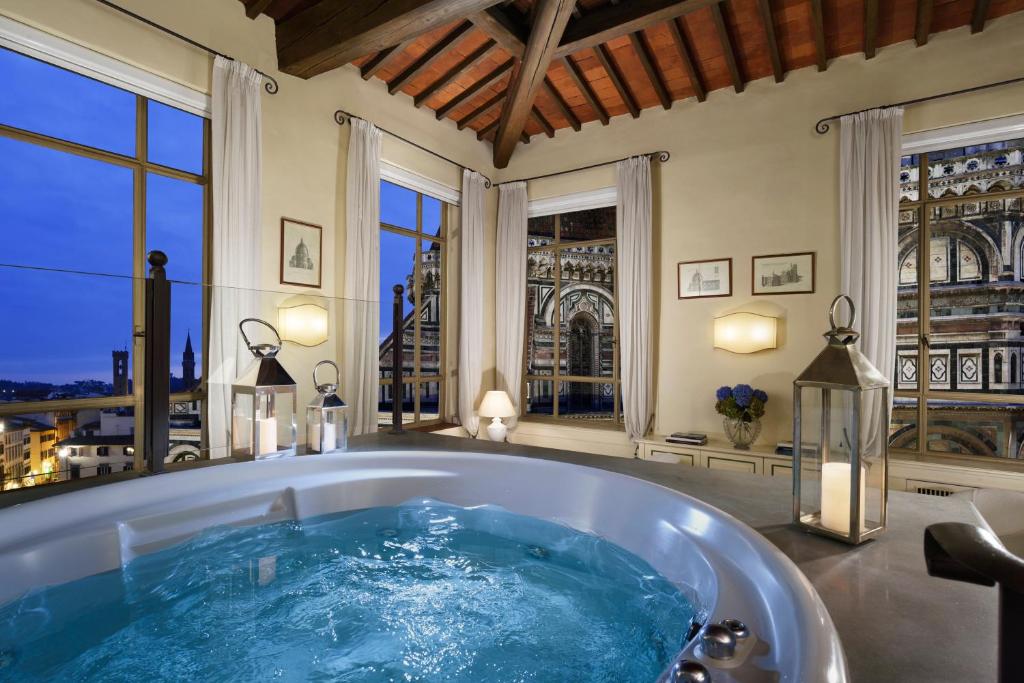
741,433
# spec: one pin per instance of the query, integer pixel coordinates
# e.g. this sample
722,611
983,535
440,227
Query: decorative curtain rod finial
271,84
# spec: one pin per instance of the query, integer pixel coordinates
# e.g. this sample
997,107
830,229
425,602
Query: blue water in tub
422,592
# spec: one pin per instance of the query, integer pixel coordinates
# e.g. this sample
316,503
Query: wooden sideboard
718,454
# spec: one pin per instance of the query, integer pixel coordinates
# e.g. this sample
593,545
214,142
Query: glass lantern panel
241,424
326,429
810,450
274,428
873,447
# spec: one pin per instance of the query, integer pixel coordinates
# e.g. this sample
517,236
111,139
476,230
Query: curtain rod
661,156
271,83
822,126
342,117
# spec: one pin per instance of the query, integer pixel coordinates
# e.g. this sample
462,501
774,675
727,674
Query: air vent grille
932,491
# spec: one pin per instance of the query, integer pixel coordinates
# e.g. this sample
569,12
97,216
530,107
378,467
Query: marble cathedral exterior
976,289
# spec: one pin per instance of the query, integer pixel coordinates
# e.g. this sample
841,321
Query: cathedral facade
976,300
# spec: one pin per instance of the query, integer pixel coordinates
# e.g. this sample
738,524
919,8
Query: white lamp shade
302,321
745,332
496,404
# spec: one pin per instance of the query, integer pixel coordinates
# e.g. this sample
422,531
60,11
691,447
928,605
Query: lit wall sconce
302,320
745,332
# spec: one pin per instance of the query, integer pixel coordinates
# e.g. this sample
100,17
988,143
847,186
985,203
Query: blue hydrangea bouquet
743,408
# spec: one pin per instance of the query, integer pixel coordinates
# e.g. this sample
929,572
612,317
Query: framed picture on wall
301,253
783,274
699,279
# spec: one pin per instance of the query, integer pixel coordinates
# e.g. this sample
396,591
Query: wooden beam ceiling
428,57
923,24
764,8
646,57
607,61
727,49
818,30
686,55
332,33
511,69
552,16
616,20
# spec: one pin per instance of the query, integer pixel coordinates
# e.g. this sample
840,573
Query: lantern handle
832,313
328,388
241,328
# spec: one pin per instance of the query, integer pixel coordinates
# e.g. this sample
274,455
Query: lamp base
497,430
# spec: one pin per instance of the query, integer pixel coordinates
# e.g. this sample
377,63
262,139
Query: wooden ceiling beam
607,61
552,16
722,29
451,74
870,28
818,31
686,55
646,57
923,27
491,76
487,106
429,57
538,116
507,31
490,128
332,33
562,105
764,8
382,59
579,79
616,20
256,8
979,15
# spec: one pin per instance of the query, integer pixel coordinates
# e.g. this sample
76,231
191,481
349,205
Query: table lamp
496,405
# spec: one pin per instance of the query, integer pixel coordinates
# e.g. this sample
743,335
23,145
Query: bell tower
120,373
188,364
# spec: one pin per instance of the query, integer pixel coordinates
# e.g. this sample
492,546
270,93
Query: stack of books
784,448
688,438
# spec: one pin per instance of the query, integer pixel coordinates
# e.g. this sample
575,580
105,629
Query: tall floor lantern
841,439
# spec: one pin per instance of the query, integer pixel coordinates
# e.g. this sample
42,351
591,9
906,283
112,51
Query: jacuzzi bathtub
730,571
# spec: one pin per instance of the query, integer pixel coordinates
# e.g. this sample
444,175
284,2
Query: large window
959,384
92,177
412,254
572,368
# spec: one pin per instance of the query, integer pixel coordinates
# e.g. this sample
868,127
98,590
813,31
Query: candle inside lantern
268,435
330,434
835,496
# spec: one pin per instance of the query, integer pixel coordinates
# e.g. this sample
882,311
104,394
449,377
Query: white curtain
635,274
236,151
870,149
362,277
471,309
510,294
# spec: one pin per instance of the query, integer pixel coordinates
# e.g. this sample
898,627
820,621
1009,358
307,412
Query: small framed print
301,253
783,274
699,279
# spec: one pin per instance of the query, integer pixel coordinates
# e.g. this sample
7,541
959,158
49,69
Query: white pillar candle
835,496
268,435
330,437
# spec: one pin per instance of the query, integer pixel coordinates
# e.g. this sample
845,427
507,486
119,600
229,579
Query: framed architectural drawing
301,253
699,279
782,274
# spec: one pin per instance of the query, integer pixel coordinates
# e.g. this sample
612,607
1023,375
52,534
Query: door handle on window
926,340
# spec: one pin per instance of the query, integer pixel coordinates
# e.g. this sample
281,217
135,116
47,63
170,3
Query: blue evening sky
64,211
398,252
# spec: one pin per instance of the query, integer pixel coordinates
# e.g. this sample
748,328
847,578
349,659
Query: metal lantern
263,403
840,439
326,416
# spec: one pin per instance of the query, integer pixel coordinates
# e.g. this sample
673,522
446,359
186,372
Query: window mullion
556,336
139,272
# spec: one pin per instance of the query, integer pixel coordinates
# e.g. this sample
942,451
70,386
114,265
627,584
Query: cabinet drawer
733,463
681,457
779,470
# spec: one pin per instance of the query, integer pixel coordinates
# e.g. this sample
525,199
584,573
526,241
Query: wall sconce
302,320
745,332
